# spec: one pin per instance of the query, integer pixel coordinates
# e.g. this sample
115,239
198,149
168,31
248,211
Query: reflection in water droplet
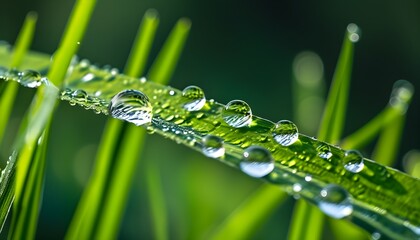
324,151
353,161
30,78
213,146
353,32
297,187
257,162
237,113
335,202
79,96
285,133
132,106
308,178
194,97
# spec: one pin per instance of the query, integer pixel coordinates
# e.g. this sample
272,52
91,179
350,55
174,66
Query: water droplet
172,92
335,202
132,106
376,236
297,187
353,161
308,178
213,146
257,162
30,78
194,97
353,32
285,133
324,151
237,113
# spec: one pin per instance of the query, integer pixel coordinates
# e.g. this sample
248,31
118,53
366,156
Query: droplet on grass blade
353,161
335,202
30,78
194,98
132,106
213,146
257,162
237,114
285,133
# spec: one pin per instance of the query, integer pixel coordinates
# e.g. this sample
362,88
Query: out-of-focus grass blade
306,216
70,40
308,91
245,220
92,207
31,161
165,63
387,147
7,99
412,163
137,60
8,95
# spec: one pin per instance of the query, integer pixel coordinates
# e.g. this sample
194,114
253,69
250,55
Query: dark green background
236,50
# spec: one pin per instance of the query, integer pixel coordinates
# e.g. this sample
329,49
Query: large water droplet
213,146
335,201
324,151
353,32
353,161
30,78
194,97
79,95
285,133
132,106
237,113
257,162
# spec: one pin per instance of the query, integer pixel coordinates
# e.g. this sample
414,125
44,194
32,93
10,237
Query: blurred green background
236,50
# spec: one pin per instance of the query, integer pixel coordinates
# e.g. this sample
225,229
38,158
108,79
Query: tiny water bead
402,93
285,133
353,161
79,95
324,151
213,146
132,106
237,113
194,97
257,162
335,201
30,78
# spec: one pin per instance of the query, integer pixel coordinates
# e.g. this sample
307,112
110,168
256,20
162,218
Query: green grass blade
245,220
165,63
412,163
137,60
8,95
387,147
73,35
330,130
334,114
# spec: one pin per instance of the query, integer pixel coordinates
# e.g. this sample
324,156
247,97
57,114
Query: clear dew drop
237,113
257,162
285,133
353,161
132,106
376,236
324,151
30,78
213,146
79,95
194,98
335,202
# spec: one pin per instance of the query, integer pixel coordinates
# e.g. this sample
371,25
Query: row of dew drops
135,107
